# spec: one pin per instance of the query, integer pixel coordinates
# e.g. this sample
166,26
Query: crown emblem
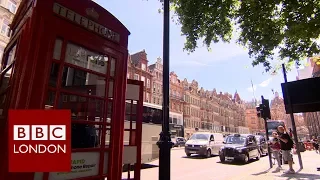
92,13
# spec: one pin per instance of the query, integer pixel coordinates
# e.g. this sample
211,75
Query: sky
227,68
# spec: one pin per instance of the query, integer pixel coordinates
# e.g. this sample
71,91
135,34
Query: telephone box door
133,130
75,57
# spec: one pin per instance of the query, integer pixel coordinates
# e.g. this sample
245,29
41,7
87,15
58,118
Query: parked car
204,143
178,141
241,147
263,145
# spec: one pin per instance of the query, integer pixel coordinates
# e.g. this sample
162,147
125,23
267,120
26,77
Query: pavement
198,168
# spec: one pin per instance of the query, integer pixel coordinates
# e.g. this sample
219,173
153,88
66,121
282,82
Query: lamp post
164,142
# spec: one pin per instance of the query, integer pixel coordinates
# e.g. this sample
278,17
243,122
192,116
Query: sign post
265,114
164,142
292,118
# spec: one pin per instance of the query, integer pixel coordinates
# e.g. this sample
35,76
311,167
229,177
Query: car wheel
246,159
188,154
258,157
222,158
208,153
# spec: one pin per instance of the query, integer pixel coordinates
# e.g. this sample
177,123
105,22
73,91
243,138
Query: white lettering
54,148
33,149
85,22
43,149
14,149
21,132
40,149
26,149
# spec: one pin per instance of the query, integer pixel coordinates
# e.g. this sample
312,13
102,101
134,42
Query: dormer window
143,67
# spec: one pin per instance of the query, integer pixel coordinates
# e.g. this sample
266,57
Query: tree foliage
269,29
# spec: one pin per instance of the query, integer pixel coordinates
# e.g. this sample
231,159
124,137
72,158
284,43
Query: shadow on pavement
301,176
197,157
143,166
263,172
237,163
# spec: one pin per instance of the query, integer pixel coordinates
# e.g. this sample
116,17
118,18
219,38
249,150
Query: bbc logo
39,132
37,137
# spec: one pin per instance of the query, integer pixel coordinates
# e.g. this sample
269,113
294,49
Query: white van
204,143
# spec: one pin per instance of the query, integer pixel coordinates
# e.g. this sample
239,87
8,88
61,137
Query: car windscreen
200,137
235,140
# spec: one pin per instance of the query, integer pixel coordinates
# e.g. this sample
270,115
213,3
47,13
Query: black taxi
241,147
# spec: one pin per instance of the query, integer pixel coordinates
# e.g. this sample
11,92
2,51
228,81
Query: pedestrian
276,148
315,144
286,145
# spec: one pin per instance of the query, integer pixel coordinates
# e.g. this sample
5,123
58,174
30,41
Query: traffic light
266,109
263,110
258,111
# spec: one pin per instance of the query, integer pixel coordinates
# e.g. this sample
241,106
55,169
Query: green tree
269,29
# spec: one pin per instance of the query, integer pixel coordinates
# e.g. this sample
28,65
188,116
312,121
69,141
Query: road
195,167
198,168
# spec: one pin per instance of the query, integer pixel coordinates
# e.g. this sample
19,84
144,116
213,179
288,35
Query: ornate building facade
278,111
138,70
8,9
156,70
254,123
312,119
213,112
176,104
190,106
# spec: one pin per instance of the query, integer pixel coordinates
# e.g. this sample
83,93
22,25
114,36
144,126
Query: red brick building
138,70
176,94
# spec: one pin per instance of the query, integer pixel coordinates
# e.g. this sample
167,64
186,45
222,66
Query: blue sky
223,68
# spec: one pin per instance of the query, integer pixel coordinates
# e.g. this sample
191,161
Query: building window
1,52
136,76
147,97
154,100
12,6
148,83
154,87
5,28
128,76
144,80
143,67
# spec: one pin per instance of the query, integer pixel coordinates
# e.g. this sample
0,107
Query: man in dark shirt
286,146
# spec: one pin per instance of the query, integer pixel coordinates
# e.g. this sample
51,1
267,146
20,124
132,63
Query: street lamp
164,142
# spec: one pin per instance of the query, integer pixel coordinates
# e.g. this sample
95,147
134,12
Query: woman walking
276,149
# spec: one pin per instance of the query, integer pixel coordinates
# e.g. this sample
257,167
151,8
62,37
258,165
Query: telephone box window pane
83,82
11,56
128,107
2,103
110,91
54,74
112,66
6,80
57,49
82,108
126,137
50,100
109,111
85,58
84,136
108,134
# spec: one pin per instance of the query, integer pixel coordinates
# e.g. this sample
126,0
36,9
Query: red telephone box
69,54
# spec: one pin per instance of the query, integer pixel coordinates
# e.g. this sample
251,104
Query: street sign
304,95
